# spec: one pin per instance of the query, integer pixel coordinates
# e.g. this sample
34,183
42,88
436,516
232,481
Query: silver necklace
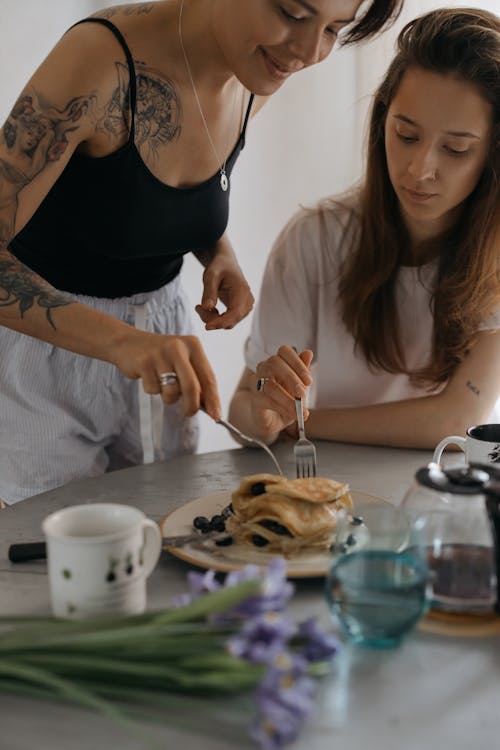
224,179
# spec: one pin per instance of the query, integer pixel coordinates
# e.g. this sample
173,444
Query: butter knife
38,551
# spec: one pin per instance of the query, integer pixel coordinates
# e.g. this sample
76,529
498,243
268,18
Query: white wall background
306,143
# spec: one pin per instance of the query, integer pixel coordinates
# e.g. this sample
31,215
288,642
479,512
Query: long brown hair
380,14
465,42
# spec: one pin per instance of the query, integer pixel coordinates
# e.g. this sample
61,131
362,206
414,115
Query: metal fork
304,451
251,441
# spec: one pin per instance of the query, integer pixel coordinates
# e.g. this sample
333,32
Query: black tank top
110,228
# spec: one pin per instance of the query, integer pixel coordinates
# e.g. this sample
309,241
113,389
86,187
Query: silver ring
261,383
167,378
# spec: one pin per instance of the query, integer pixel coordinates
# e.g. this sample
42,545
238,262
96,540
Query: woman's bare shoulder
126,11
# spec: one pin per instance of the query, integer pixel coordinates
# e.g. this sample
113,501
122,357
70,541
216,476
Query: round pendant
224,182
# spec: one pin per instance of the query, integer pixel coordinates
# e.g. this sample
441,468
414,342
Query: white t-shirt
299,306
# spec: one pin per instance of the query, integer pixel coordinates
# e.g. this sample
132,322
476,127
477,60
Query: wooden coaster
460,625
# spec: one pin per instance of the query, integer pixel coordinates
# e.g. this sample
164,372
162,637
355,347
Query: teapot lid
457,480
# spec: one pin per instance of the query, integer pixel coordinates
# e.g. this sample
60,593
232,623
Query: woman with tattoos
395,286
114,163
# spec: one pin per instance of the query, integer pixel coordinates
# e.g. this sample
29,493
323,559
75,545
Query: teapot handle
493,510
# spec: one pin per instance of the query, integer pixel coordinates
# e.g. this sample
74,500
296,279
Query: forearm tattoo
473,388
20,286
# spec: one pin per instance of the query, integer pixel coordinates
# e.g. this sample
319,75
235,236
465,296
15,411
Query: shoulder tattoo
158,112
158,109
126,10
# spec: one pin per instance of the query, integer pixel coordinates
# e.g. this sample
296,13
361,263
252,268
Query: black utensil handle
27,551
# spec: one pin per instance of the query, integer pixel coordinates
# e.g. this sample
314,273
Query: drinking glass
376,586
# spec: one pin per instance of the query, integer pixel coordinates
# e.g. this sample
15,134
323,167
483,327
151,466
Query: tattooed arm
48,122
34,136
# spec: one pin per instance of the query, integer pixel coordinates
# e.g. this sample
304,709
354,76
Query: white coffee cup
99,556
481,444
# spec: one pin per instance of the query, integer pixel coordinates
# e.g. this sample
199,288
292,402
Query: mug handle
451,439
152,545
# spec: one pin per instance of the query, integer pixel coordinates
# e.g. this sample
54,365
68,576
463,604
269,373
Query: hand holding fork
304,451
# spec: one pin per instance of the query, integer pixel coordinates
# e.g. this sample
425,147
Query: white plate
304,564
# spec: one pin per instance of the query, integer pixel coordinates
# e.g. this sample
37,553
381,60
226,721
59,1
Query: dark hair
380,13
466,43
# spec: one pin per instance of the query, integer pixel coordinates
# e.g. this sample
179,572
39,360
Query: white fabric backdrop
305,143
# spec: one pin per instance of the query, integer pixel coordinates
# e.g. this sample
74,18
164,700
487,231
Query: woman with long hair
115,161
394,288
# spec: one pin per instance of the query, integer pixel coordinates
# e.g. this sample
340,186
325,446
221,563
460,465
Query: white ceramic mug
99,556
481,444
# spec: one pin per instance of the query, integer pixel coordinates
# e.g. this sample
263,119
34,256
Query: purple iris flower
276,726
285,698
317,645
290,689
199,584
262,638
276,590
261,634
203,583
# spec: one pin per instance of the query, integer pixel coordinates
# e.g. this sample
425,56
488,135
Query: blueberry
217,523
351,539
259,541
275,527
202,524
225,542
258,488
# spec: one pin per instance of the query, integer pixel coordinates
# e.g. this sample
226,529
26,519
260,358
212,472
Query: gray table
432,692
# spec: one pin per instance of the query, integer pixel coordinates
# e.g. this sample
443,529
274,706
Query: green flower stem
153,658
224,673
212,604
136,644
101,631
59,686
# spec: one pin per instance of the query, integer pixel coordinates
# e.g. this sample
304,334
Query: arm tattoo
473,388
34,135
19,285
126,10
36,132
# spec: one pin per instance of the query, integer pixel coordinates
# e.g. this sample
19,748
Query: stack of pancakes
281,515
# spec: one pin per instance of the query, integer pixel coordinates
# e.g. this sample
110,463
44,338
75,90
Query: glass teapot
457,511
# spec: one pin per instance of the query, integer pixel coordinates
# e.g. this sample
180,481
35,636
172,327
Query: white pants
64,416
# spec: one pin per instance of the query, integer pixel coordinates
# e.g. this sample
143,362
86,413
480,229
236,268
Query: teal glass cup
377,584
